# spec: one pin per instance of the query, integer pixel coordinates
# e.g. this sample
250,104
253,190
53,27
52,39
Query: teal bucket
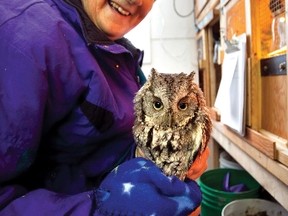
214,198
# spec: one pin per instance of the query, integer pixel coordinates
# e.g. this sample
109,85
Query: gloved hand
199,165
195,171
138,187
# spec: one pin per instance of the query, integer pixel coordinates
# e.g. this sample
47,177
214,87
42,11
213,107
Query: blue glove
138,187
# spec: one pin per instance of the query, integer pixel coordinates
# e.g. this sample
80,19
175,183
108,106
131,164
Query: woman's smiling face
117,17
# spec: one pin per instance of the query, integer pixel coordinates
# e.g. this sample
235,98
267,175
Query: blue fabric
138,187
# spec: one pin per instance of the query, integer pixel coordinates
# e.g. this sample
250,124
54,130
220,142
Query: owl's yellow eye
182,106
157,105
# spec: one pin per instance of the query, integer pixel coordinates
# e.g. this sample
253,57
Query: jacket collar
90,31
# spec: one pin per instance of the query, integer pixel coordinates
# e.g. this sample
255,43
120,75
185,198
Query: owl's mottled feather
172,123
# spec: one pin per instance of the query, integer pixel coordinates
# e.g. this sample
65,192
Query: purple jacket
65,95
66,109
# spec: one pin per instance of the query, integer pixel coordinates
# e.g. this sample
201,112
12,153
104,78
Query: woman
67,81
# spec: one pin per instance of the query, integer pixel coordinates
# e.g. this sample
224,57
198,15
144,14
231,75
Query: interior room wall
167,36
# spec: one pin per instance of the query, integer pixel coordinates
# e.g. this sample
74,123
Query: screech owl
172,123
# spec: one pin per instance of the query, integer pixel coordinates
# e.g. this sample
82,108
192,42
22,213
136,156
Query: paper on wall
230,99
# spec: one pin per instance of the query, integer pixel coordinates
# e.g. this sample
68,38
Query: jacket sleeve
24,101
23,93
43,202
36,91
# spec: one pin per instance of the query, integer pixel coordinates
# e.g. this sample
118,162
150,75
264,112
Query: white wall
167,36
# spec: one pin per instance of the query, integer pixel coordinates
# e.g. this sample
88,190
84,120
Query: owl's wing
206,128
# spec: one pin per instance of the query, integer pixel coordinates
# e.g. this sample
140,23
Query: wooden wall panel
235,18
274,105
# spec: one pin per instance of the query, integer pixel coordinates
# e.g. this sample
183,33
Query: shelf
272,175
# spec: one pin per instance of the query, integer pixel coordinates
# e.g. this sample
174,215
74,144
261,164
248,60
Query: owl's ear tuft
153,73
191,76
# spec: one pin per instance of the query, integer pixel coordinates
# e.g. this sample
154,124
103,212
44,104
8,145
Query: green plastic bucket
214,198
